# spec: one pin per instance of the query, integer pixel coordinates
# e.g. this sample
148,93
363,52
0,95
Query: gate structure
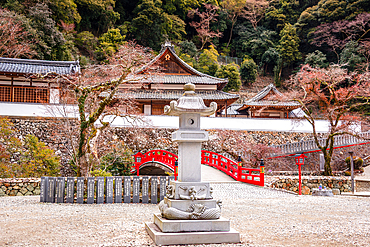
220,162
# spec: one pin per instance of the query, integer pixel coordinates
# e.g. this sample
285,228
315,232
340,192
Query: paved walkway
210,174
366,174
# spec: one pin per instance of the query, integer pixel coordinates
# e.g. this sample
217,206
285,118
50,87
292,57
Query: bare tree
254,11
332,94
203,26
16,41
95,91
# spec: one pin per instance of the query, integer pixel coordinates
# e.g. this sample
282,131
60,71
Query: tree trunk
327,166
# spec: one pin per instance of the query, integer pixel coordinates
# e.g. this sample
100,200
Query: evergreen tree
248,71
230,71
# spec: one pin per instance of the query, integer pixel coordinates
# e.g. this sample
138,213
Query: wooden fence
126,189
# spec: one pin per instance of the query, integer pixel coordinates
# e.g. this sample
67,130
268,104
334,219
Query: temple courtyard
264,217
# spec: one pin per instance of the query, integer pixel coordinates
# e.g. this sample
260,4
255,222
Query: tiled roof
29,66
175,94
265,91
202,77
182,79
232,109
258,101
272,103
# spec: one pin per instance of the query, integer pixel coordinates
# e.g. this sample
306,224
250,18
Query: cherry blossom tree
333,94
203,26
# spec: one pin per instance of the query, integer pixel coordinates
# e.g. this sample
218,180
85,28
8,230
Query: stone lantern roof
190,102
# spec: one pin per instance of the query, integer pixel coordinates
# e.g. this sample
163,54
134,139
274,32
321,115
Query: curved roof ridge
170,47
261,94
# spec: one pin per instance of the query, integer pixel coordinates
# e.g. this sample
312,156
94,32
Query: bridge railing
231,168
311,144
218,161
156,155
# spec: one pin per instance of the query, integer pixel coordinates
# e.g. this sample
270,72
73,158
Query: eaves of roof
30,66
173,94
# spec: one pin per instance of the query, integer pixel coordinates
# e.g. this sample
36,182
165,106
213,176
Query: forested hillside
274,37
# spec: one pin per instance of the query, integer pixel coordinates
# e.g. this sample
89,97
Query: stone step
176,238
165,225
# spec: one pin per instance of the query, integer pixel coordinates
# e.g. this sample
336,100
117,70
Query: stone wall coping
314,177
20,180
362,179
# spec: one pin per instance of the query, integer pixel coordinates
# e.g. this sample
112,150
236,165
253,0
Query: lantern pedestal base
205,237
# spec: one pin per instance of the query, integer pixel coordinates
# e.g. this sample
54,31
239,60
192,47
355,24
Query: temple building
265,104
154,91
19,80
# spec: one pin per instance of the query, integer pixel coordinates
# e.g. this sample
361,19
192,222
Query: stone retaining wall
19,186
362,185
51,132
343,184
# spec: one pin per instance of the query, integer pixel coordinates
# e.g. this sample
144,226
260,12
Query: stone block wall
19,186
51,131
309,183
362,185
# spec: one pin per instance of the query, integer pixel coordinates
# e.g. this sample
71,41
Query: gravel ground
264,217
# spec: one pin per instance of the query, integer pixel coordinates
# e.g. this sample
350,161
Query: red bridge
161,159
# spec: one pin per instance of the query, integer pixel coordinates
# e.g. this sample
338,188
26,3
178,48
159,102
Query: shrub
38,160
118,162
248,71
230,71
357,162
100,173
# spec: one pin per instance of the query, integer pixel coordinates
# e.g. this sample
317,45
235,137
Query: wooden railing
218,161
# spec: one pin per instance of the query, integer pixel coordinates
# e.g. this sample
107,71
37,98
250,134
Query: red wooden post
239,168
299,160
176,169
262,173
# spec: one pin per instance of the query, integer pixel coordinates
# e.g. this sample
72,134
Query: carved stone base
190,190
217,225
184,205
166,238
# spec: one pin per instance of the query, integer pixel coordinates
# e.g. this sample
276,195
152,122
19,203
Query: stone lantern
189,214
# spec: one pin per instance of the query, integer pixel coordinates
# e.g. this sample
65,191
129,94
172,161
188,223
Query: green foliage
248,71
270,57
260,43
357,162
30,158
188,47
277,73
87,43
51,39
152,25
38,160
230,71
207,62
316,59
65,10
100,173
289,45
118,162
350,56
97,16
108,43
10,146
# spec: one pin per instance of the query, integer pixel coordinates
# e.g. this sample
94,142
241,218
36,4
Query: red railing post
176,169
239,168
262,173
